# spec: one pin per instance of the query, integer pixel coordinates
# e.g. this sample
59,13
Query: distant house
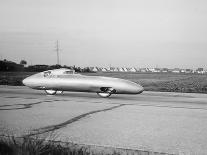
116,69
200,71
125,69
157,70
100,69
111,69
176,70
182,70
103,69
164,70
132,69
108,69
188,71
151,70
93,69
143,70
120,69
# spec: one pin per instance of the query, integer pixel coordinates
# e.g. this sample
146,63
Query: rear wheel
50,92
104,94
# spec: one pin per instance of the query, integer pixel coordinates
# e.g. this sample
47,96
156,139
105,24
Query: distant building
175,70
103,69
164,70
182,70
125,69
157,70
152,70
120,69
116,69
111,69
200,71
188,71
132,69
93,69
144,70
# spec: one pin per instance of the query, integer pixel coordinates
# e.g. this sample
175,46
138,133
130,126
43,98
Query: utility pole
57,50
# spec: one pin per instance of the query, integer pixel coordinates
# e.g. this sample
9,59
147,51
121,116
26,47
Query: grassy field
170,82
167,82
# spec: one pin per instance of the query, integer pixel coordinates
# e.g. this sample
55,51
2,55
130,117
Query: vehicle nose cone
27,81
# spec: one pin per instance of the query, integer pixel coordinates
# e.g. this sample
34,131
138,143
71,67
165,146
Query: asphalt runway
151,121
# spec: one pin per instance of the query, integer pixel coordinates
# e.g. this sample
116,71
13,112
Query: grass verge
10,145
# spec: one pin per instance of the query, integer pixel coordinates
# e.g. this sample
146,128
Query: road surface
151,121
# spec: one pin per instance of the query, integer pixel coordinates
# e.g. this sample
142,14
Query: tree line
10,66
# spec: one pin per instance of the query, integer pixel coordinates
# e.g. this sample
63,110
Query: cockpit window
69,72
47,73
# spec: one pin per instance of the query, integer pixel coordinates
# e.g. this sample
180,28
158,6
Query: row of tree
10,66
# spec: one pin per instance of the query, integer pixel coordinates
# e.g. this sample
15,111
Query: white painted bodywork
67,80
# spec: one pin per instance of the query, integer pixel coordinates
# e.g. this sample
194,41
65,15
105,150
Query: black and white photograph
103,77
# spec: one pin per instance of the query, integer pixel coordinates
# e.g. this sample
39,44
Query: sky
120,33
